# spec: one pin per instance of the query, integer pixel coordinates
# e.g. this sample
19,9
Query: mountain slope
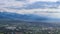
10,18
21,16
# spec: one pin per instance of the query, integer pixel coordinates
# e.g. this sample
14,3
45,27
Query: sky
31,7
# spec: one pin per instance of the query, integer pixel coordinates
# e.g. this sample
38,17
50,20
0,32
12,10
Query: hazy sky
13,5
43,0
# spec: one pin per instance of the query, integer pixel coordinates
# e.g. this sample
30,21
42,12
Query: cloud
27,4
8,3
20,0
40,4
32,1
29,7
35,5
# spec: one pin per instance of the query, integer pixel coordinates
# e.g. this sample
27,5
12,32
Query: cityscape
24,27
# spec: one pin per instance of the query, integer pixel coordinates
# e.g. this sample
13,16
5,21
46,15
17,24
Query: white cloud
16,3
31,1
8,3
40,12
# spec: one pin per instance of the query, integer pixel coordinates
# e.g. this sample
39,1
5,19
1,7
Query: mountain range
27,17
9,18
30,17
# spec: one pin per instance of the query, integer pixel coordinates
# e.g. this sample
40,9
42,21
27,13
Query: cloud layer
38,7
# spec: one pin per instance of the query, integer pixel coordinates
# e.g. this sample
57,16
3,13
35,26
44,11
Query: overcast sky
24,3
